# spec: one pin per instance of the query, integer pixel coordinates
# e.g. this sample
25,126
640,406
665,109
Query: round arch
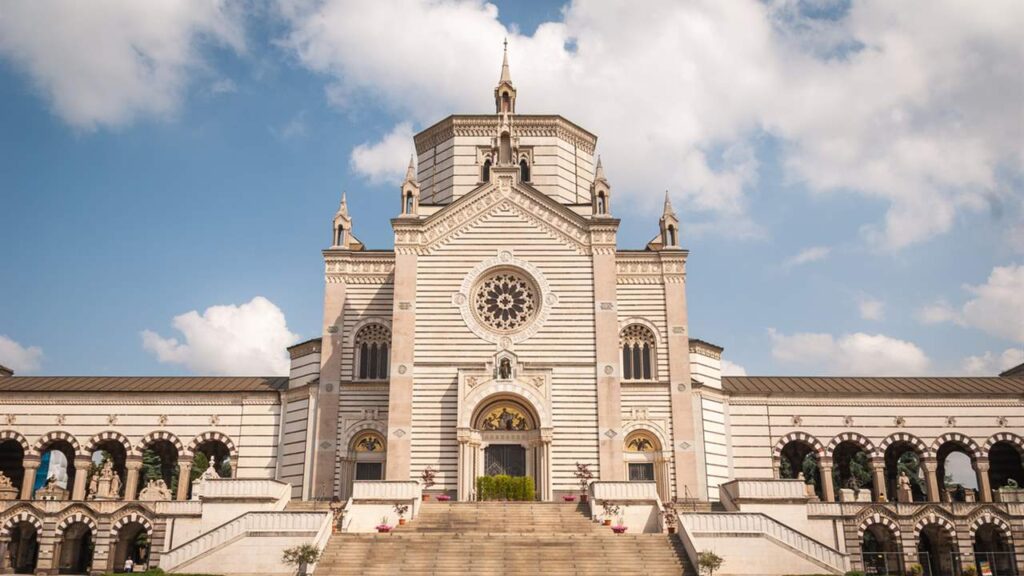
1007,437
803,437
903,438
109,436
645,457
75,518
515,414
213,436
878,519
859,439
129,518
55,436
650,428
21,515
627,322
933,519
988,519
965,442
506,390
6,435
161,436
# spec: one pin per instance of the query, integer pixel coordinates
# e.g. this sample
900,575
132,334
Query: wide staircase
503,538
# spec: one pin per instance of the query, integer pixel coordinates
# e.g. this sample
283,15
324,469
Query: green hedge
504,487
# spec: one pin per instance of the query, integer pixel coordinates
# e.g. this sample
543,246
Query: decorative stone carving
214,420
504,300
155,491
51,491
903,490
61,419
798,420
105,484
112,419
162,419
848,421
950,420
7,489
900,421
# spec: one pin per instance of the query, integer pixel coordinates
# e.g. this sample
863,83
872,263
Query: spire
506,76
410,173
599,171
343,207
668,206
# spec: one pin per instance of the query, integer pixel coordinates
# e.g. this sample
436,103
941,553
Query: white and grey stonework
506,331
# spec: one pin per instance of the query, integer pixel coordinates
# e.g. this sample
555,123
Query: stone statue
210,473
105,484
155,490
51,491
904,481
7,489
904,493
505,369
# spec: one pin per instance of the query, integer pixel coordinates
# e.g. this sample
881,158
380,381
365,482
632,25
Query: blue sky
852,200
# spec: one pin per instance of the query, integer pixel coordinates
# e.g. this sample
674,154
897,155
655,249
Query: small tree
610,510
668,512
301,556
401,509
427,477
708,562
583,476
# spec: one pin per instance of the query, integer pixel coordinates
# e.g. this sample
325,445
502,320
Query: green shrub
854,573
504,487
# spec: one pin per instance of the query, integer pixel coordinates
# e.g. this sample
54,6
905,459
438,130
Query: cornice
873,402
356,268
487,125
140,399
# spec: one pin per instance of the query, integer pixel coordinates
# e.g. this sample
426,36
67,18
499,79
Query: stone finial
506,75
410,172
343,206
668,211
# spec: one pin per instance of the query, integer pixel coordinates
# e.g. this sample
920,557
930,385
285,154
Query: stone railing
738,523
740,490
178,507
624,491
280,523
386,490
241,489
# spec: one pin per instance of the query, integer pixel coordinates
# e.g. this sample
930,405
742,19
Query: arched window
372,352
506,102
637,353
600,203
339,236
408,203
370,454
487,170
671,235
524,170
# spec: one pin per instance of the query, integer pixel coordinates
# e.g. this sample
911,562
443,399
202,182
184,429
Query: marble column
825,471
184,479
81,477
5,560
981,467
878,478
28,479
131,482
931,467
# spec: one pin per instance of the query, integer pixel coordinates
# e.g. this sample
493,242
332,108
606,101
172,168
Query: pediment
506,195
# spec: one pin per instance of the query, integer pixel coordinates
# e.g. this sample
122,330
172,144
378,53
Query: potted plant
569,497
383,527
619,528
916,569
668,512
583,476
708,562
610,510
969,570
427,477
443,497
401,509
301,556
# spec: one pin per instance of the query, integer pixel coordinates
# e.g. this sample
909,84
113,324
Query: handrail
276,521
761,523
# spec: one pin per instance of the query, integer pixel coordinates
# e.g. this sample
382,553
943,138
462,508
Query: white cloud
731,369
808,255
871,308
19,358
245,340
856,354
106,62
909,103
293,129
997,306
989,364
387,160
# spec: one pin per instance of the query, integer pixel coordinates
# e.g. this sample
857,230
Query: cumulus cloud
856,354
997,306
989,364
871,308
19,358
385,161
106,62
244,340
909,103
732,369
808,255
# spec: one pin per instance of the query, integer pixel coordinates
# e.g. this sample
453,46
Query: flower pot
619,529
444,498
401,521
607,521
569,497
671,529
583,497
383,529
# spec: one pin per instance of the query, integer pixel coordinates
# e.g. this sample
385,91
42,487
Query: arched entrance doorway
160,452
880,549
936,550
504,437
22,552
993,552
645,461
799,458
903,457
76,549
852,469
131,540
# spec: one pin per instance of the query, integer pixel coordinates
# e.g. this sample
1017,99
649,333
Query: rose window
505,301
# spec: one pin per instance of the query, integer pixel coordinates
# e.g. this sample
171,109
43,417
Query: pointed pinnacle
599,170
506,76
410,173
343,207
668,204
